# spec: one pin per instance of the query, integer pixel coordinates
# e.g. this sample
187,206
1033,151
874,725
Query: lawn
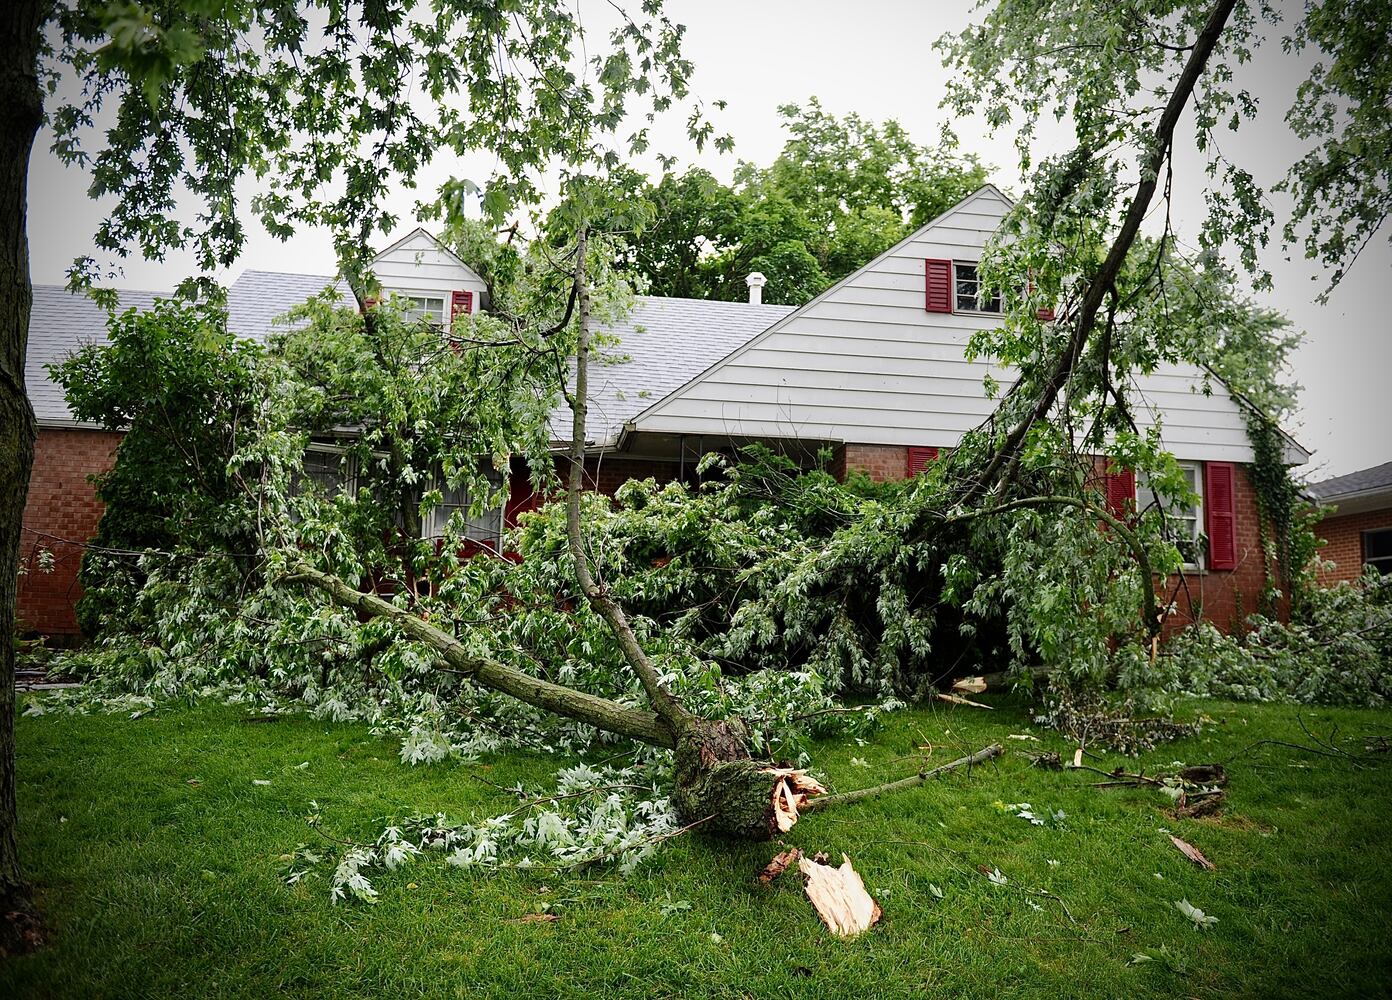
158,863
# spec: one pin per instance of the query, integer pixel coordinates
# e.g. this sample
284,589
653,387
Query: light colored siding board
868,364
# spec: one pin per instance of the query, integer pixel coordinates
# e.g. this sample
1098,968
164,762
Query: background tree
842,191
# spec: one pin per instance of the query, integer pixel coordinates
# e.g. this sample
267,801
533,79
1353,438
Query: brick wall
881,462
60,515
1343,542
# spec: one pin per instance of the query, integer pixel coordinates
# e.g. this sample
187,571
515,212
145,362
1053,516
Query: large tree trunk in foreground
21,110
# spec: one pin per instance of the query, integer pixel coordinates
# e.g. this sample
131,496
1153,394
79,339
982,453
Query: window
424,309
325,469
486,529
967,284
1377,550
1183,522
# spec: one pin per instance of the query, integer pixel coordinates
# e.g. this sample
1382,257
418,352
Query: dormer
435,283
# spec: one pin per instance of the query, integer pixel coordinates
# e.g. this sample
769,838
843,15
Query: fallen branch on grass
845,798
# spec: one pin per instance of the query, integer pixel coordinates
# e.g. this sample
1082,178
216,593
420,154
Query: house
872,370
1357,526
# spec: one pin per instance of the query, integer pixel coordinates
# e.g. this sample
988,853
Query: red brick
60,516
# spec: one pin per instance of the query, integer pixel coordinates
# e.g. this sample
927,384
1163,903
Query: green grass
154,885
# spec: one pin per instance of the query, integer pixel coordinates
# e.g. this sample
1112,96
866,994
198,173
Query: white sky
876,58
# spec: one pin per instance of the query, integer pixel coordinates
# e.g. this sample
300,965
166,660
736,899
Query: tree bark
667,707
21,111
610,716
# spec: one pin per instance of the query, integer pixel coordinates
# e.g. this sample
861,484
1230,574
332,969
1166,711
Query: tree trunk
21,111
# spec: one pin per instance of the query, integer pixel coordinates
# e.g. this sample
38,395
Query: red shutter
461,303
1221,522
1121,492
919,457
1043,315
937,283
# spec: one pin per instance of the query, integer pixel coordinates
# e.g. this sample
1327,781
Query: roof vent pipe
756,283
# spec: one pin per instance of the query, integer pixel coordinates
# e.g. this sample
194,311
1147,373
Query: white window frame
1145,499
486,530
1383,564
421,313
349,482
975,279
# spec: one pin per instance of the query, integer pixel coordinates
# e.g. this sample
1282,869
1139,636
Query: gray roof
1373,480
60,324
663,343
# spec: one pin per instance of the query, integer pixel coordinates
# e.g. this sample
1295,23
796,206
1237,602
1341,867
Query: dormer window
968,291
424,309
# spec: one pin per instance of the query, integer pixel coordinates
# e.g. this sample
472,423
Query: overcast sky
876,57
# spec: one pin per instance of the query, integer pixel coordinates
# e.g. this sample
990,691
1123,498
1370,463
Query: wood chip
1078,757
536,918
969,685
839,897
792,787
956,700
779,865
1193,853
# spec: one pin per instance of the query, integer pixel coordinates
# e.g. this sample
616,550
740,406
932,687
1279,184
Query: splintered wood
970,685
791,789
839,897
780,863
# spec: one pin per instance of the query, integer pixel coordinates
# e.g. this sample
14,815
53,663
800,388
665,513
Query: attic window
423,309
967,285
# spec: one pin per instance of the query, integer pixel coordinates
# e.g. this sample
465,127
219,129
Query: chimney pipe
756,283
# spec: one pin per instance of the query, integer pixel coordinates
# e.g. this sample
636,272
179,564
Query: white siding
418,265
864,362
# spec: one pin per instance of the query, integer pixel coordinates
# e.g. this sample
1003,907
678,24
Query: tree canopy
842,191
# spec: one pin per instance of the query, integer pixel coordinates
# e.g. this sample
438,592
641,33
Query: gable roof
421,232
986,190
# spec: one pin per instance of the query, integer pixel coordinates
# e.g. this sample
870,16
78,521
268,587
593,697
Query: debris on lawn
969,685
536,918
1025,811
994,874
1197,804
1049,760
1202,921
781,862
1092,719
954,699
839,897
791,789
1193,853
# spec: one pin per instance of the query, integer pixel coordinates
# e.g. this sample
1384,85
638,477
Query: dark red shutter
1043,315
937,284
919,457
1221,522
461,303
1121,492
